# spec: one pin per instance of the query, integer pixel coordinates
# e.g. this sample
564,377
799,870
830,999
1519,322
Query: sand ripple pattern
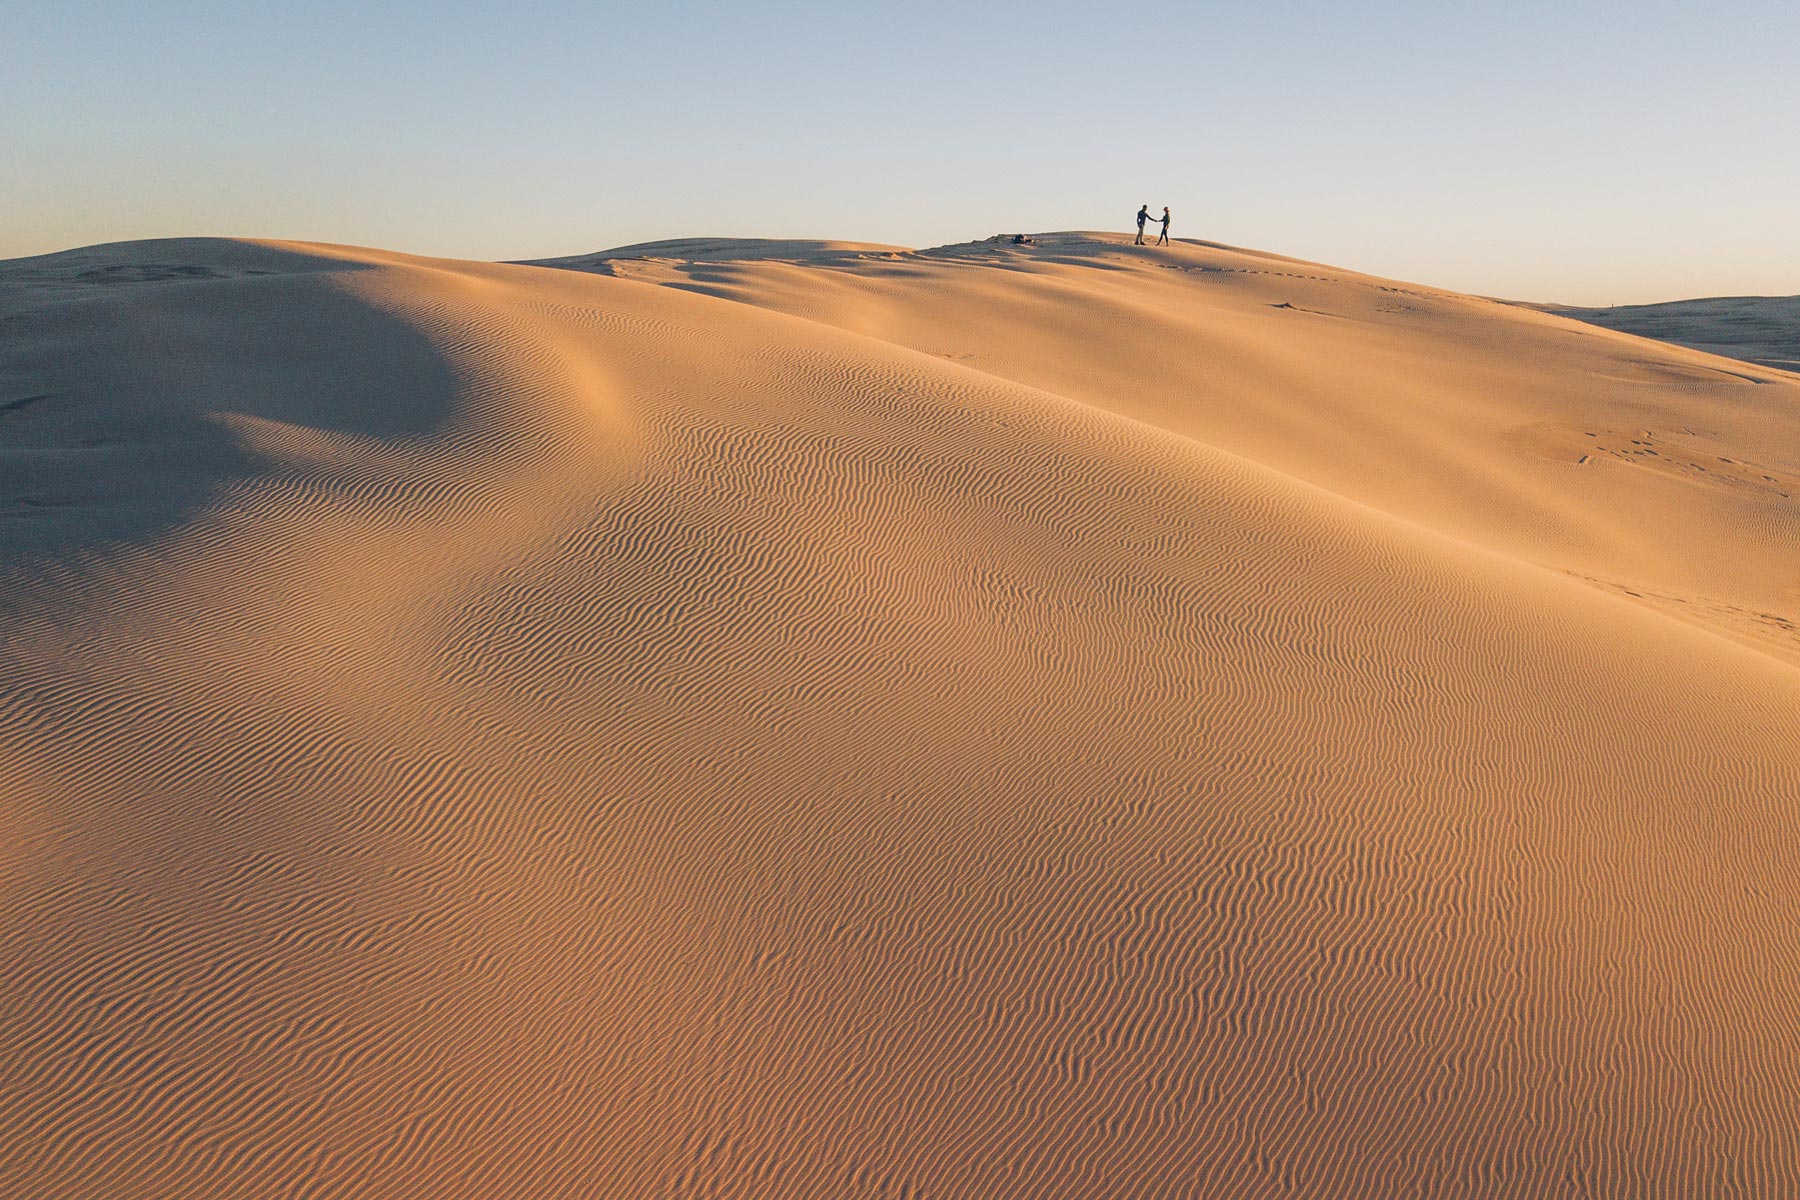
617,742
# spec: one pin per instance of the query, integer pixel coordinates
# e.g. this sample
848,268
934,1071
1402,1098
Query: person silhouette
1164,239
1143,215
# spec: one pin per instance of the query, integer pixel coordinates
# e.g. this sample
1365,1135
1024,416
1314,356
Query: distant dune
1761,329
815,720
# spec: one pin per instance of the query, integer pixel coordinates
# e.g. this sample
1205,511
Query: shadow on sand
118,363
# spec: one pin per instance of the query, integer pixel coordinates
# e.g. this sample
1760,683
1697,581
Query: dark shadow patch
20,405
134,445
151,273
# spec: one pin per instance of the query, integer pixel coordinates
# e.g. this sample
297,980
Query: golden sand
808,720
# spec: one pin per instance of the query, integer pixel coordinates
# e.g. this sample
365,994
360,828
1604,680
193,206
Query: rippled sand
808,720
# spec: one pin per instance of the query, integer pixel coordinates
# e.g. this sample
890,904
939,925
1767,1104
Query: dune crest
825,720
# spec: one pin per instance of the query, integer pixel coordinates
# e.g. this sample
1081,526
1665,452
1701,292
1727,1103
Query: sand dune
1764,330
823,720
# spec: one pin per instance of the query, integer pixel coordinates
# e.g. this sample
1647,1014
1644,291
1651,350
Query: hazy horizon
1618,154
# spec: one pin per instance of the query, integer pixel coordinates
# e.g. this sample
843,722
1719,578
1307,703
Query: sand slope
833,721
1759,329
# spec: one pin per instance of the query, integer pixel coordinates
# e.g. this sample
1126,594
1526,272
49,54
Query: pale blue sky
1590,150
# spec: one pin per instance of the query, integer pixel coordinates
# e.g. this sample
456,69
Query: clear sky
1593,151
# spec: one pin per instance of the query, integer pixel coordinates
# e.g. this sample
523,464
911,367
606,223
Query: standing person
1143,215
1164,239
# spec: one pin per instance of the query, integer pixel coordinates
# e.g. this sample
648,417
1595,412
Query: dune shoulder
1764,330
791,720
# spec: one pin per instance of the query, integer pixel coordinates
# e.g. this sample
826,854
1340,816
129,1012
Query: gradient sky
1588,151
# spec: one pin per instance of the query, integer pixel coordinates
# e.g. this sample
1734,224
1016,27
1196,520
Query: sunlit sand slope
960,724
1642,468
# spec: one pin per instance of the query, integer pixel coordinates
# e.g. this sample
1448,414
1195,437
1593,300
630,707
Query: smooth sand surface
1760,329
818,720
